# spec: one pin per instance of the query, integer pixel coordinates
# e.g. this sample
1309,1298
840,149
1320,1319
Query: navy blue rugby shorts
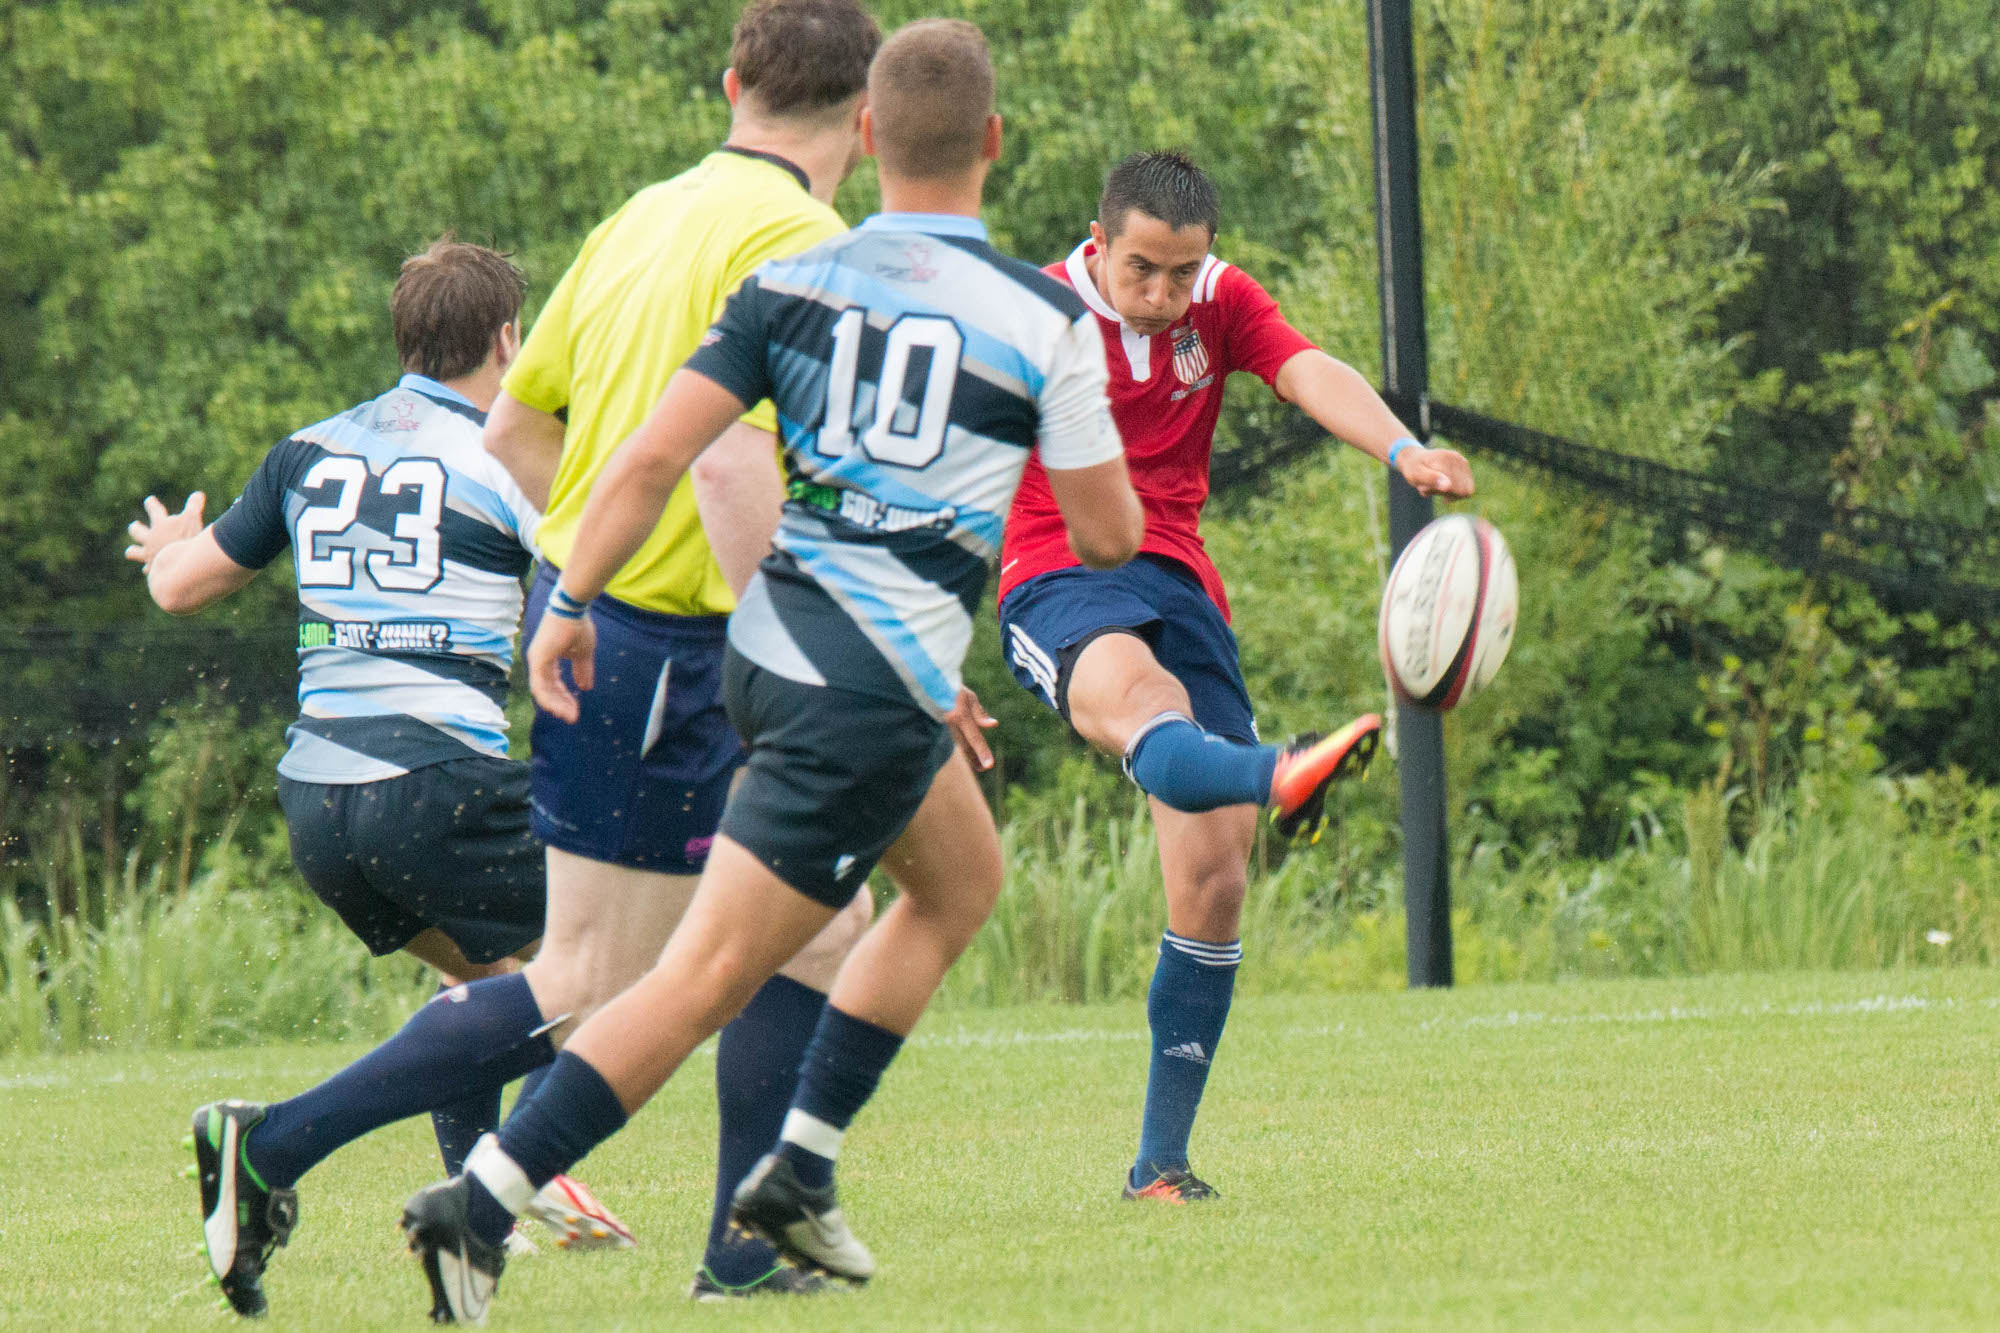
1048,621
445,845
640,778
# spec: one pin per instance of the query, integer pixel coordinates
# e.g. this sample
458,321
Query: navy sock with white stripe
1186,1008
572,1112
756,1072
1193,770
839,1074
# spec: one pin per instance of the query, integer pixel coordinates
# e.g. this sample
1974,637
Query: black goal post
1406,386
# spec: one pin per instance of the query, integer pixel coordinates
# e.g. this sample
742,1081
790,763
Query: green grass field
1802,1151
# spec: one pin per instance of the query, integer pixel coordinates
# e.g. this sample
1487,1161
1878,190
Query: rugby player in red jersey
1140,660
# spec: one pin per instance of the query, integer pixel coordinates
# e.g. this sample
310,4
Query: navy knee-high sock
1194,770
529,1082
464,1041
1186,1008
459,1125
756,1072
837,1077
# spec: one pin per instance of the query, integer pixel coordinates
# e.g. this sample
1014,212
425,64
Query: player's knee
817,963
720,984
1218,891
1146,695
573,985
974,901
1111,717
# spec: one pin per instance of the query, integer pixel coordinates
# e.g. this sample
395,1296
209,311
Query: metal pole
1406,380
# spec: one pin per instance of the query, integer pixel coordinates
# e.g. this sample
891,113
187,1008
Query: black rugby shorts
833,777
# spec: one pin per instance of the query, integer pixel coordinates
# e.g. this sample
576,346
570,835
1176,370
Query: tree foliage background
1754,236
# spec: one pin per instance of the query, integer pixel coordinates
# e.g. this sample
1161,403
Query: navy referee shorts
640,778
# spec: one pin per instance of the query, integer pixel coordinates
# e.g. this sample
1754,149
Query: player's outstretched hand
160,529
1436,472
558,640
967,720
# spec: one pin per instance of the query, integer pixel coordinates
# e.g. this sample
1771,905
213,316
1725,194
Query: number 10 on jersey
894,433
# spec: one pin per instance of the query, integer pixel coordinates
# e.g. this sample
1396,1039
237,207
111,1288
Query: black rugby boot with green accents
242,1220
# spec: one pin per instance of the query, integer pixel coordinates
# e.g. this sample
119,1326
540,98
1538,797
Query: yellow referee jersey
642,292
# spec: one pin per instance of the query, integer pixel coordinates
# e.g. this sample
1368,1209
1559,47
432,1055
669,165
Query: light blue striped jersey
913,367
410,543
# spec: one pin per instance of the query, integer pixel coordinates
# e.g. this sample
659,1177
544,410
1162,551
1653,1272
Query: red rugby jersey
1166,393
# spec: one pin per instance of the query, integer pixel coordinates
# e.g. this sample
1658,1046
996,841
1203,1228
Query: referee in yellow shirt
627,799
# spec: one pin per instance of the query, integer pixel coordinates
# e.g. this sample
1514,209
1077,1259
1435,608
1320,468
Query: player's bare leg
740,928
948,868
606,926
745,923
1116,687
1205,860
819,962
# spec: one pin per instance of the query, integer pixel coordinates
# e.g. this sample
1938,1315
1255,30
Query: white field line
977,1039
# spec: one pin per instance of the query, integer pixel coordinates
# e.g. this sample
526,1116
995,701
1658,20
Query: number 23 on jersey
326,551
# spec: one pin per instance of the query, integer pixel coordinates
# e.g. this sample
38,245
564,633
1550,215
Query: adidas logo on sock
1188,1050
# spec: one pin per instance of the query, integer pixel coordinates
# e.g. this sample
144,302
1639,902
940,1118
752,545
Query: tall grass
142,967
1856,874
1868,873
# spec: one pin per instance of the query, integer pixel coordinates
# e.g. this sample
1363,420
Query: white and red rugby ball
1448,612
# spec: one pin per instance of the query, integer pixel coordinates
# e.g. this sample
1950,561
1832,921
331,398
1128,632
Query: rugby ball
1448,612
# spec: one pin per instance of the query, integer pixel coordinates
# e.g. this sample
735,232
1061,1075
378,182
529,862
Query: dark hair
930,91
449,303
802,57
1165,185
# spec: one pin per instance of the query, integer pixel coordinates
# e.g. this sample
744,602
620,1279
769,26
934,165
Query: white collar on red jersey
1205,281
1138,347
1086,286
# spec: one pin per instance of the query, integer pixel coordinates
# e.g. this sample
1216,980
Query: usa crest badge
1190,356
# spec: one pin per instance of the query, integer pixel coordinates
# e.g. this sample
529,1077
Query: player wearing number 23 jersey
411,545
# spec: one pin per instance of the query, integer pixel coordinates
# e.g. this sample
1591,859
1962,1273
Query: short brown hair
803,57
449,303
930,91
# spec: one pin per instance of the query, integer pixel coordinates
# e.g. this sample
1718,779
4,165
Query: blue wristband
563,605
1400,444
